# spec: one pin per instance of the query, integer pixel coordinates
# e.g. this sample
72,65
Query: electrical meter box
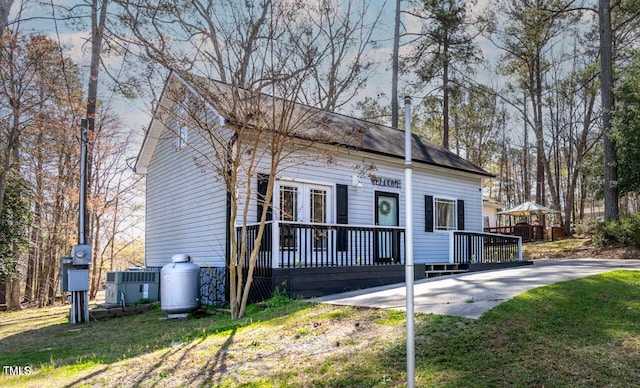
81,254
131,286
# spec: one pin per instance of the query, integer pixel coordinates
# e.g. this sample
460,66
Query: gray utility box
73,278
133,285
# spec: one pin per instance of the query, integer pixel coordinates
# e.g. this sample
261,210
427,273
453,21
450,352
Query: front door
301,242
387,241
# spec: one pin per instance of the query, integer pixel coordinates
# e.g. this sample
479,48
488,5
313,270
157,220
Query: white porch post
451,240
275,244
519,248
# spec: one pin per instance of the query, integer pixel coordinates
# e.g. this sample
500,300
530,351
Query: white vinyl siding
185,207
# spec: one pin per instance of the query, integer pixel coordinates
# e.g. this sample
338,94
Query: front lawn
580,333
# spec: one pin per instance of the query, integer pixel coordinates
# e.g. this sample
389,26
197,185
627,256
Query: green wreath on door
385,207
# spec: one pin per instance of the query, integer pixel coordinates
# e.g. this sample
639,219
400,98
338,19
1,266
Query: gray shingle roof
339,129
384,140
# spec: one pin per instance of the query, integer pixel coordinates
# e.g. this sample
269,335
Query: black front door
387,241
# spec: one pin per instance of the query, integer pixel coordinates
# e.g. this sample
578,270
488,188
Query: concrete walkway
471,294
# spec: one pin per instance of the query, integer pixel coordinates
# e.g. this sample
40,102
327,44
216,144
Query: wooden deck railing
470,248
310,245
527,232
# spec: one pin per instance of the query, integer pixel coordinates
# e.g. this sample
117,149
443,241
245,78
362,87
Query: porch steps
442,269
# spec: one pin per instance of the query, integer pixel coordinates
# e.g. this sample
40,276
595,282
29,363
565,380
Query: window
181,128
445,214
318,214
288,212
303,203
184,134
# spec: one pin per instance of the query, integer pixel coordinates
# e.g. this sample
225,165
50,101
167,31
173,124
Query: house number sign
386,181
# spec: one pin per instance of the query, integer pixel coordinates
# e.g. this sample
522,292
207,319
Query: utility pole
74,270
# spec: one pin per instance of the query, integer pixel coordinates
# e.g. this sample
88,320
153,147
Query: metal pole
409,269
84,138
81,251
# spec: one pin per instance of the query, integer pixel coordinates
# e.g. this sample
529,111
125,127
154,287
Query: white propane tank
180,285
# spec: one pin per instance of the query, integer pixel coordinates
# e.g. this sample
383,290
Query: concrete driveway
471,294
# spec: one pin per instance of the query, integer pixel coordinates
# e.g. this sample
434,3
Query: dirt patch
588,250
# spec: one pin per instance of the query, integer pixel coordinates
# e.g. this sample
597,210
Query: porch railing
288,244
475,247
527,232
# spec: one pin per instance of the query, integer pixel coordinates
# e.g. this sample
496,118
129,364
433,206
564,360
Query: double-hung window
445,214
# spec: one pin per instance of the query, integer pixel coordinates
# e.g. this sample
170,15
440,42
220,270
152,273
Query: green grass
584,332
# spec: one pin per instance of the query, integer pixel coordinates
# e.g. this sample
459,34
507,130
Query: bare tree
33,98
257,49
340,39
110,193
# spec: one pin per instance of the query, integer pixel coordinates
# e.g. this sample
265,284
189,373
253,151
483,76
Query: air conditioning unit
127,287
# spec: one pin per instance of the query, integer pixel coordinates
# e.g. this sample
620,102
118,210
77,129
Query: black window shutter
263,182
428,213
460,214
342,215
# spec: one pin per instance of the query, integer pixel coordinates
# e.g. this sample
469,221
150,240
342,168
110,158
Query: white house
490,209
333,224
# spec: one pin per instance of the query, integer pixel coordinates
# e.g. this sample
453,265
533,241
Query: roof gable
337,129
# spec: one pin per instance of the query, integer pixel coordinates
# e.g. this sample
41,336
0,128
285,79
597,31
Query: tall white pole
409,270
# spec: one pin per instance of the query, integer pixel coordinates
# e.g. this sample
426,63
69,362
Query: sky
136,113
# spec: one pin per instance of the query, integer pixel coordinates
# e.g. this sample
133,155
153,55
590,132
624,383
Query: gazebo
528,208
525,230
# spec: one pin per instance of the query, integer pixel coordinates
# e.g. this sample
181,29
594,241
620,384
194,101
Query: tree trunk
13,294
526,178
611,210
36,230
5,7
394,71
445,98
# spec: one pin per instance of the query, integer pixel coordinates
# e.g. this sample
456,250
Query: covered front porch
315,259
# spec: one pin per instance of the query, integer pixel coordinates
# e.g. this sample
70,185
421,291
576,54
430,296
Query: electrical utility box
81,254
133,286
66,263
73,278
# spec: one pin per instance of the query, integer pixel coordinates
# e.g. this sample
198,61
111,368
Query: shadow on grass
122,338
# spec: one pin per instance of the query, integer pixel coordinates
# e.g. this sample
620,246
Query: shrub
626,232
585,227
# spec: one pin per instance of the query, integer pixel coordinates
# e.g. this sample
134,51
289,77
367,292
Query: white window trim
302,185
435,213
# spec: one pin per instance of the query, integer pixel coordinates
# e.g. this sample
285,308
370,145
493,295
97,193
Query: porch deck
313,259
